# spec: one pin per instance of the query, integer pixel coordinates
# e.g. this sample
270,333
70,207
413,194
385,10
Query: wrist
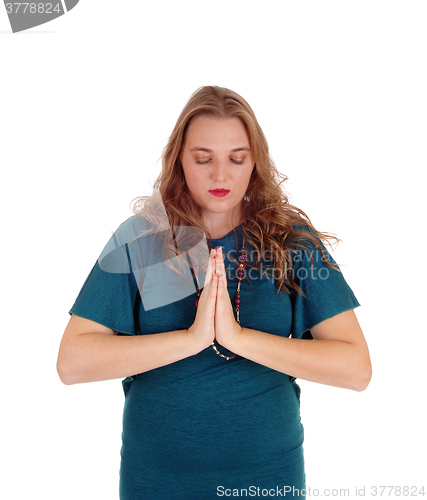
233,340
197,344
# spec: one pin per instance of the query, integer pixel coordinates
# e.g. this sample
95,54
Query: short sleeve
110,291
326,291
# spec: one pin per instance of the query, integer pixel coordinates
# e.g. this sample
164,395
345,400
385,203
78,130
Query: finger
212,294
220,267
222,278
223,304
211,286
210,270
214,255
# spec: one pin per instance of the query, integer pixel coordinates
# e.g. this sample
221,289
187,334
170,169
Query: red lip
219,192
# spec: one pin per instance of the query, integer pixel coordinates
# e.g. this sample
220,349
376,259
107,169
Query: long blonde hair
269,217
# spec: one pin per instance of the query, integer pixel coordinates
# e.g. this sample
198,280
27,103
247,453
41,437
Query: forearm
92,357
330,362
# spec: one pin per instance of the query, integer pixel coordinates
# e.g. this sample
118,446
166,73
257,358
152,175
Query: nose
219,170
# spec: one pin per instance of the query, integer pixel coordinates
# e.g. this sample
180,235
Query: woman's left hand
226,327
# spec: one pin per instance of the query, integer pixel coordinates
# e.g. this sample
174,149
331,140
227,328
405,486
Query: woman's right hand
203,328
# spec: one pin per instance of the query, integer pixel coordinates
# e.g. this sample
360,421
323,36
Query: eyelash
199,162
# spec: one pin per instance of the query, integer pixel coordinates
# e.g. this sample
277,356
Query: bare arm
91,352
337,356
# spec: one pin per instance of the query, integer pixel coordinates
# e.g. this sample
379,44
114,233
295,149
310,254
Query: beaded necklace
240,274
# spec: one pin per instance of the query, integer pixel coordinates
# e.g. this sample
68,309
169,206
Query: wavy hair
270,220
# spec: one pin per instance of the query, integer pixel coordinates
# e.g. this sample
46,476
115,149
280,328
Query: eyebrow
206,150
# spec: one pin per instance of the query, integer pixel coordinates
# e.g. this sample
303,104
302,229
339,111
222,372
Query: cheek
193,177
244,176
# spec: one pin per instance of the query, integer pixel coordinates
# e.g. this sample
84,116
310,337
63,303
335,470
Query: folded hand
226,326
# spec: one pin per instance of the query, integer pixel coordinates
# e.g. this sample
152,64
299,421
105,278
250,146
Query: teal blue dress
204,427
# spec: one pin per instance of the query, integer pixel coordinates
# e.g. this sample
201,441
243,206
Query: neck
220,228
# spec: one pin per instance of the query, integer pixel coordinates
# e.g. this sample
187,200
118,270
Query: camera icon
26,15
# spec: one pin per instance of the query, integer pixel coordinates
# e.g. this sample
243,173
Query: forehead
205,131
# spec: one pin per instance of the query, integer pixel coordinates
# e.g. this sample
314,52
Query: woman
211,403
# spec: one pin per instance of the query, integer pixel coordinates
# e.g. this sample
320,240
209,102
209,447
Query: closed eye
204,162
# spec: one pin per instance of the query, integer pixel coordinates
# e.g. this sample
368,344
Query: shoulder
303,236
305,245
302,230
114,257
132,227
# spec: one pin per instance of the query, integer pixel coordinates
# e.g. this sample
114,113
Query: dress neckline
237,229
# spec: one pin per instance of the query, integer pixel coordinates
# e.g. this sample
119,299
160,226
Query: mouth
220,192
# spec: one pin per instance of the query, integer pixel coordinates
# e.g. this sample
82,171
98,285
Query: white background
87,104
